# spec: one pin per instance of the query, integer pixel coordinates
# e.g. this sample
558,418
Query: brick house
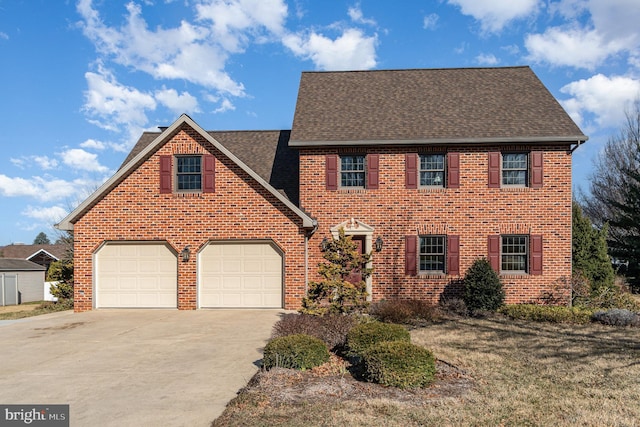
426,169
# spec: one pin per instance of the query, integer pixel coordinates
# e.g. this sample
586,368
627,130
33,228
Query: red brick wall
472,212
239,209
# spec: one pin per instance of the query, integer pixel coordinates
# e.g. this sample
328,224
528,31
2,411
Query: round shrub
365,335
399,364
298,351
617,317
482,287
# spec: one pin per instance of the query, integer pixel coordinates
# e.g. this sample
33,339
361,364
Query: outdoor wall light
379,244
324,245
186,252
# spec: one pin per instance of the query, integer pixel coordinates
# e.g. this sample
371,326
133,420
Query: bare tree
620,155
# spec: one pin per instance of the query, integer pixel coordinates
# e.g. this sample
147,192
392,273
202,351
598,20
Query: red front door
356,275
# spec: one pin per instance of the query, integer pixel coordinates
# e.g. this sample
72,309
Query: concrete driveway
133,367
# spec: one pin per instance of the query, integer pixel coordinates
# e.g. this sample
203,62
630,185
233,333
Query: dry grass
30,309
522,374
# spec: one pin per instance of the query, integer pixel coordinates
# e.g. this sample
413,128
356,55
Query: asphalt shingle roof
427,105
12,264
265,152
26,251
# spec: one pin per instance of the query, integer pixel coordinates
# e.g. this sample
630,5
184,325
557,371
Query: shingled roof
508,104
264,155
28,251
265,152
12,264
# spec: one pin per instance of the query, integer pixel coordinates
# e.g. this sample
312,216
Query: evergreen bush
399,364
298,351
363,336
482,287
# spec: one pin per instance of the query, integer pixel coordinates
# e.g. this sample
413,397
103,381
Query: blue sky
80,80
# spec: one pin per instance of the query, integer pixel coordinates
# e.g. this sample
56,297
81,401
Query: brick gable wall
238,209
473,212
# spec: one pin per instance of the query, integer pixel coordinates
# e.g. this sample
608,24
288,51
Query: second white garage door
136,275
240,274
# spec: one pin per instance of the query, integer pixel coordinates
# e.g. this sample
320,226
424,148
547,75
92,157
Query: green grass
524,374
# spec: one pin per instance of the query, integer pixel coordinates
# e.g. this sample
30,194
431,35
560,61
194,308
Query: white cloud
352,50
572,47
17,162
112,104
78,158
49,215
4,36
44,189
225,105
234,21
178,103
430,21
496,14
595,31
189,52
43,162
604,97
487,59
355,13
511,49
93,144
616,19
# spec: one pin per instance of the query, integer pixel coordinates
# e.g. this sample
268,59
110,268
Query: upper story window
432,170
352,171
189,173
432,254
514,254
515,168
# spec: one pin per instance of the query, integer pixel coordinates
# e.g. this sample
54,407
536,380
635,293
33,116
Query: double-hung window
515,168
432,254
432,170
189,173
352,171
514,254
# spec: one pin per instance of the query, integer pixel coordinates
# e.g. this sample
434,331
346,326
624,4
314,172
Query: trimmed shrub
404,311
363,336
482,287
399,364
547,313
617,317
332,329
298,351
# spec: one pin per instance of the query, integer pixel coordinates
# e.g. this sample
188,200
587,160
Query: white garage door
240,275
136,276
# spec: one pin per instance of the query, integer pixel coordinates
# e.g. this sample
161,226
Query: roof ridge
415,69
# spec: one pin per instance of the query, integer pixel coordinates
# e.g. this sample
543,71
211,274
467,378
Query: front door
356,275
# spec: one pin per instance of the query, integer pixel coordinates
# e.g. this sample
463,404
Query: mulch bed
333,381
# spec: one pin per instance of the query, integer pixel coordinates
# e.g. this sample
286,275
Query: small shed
20,281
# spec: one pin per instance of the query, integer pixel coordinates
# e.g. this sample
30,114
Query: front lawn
490,372
29,309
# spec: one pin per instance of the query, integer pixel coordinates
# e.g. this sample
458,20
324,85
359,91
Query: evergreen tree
338,291
589,251
41,239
